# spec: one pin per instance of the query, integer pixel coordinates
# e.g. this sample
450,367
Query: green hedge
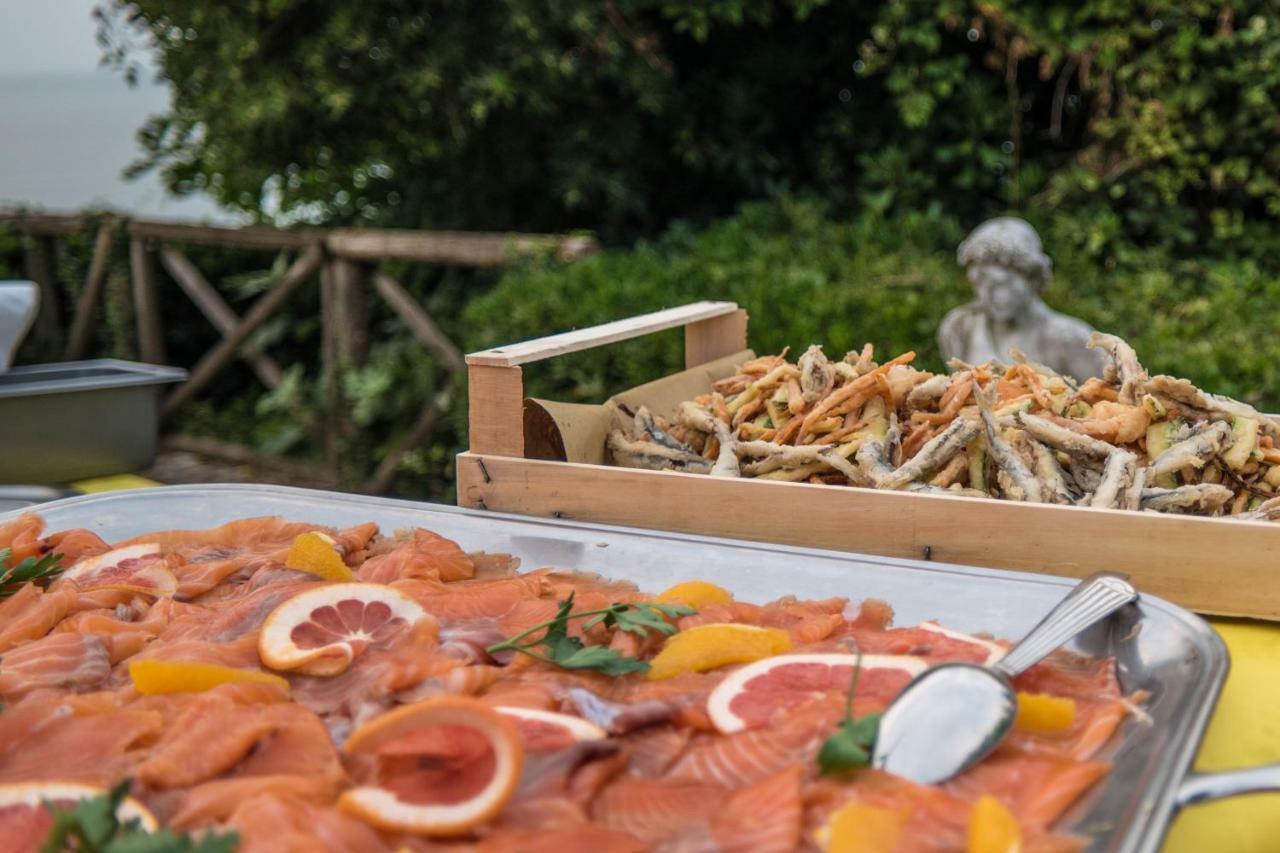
806,277
804,274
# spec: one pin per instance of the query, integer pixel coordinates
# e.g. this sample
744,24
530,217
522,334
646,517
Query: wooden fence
345,262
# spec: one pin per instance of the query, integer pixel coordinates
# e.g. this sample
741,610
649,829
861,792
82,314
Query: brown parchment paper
573,432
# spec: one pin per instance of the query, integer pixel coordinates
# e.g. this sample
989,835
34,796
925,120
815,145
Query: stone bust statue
1008,269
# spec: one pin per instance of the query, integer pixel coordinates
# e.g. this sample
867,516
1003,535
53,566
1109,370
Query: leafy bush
1141,121
806,278
804,274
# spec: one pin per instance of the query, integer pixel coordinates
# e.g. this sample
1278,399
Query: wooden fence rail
347,262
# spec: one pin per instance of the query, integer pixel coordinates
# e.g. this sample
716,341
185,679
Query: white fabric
19,302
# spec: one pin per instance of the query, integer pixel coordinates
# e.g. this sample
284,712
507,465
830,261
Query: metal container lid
93,375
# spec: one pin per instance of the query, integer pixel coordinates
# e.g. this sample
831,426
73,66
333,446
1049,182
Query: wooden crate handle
496,381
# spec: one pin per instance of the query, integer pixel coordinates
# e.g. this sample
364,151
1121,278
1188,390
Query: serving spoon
951,716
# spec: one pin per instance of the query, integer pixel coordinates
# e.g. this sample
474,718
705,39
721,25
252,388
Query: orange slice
320,631
317,554
750,696
715,645
33,796
546,731
1044,714
860,828
136,568
439,767
993,828
696,594
151,677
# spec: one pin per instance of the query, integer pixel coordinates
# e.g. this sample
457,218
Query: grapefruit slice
23,816
320,631
317,554
715,645
153,677
545,731
750,696
995,651
439,767
136,568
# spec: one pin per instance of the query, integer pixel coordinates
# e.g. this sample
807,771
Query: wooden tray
1210,565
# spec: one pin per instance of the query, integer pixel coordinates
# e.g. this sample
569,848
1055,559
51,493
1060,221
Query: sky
40,37
67,125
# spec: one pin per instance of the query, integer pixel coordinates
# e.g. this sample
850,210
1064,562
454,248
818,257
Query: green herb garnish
92,826
44,568
556,647
850,747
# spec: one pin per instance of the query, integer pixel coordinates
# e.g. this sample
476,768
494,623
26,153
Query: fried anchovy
1019,483
727,461
1201,498
1085,475
1267,511
645,423
1114,491
931,489
654,457
935,453
928,392
1193,452
1020,357
1130,372
1187,396
1049,472
874,453
1061,438
695,417
817,376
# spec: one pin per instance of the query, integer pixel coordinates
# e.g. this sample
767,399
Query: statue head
1005,264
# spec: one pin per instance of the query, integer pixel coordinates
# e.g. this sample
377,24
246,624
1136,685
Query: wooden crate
1214,566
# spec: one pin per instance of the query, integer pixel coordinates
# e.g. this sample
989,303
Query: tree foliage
1150,120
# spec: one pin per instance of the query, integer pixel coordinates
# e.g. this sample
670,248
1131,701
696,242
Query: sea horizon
66,137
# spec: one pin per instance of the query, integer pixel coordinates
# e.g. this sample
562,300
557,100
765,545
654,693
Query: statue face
1004,293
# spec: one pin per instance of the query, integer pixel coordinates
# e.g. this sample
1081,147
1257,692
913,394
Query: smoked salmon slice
651,772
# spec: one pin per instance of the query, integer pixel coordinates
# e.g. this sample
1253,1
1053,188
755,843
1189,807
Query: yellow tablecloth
1245,731
113,483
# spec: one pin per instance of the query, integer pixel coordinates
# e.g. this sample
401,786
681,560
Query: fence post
41,256
146,309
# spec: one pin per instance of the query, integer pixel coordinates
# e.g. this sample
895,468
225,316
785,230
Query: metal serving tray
79,419
1159,647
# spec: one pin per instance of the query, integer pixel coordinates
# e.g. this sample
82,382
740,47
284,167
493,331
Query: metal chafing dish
1160,648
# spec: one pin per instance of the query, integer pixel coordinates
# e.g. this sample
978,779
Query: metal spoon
951,716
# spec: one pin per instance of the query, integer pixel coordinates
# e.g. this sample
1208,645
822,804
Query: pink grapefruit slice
25,821
750,696
439,767
320,631
994,650
136,568
545,731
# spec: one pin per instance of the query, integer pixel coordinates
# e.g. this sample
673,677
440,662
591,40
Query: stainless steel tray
79,419
1160,648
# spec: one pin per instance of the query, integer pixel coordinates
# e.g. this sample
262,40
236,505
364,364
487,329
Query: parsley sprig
93,826
556,647
42,569
850,747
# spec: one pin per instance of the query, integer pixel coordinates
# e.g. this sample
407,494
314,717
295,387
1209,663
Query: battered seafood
1129,440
